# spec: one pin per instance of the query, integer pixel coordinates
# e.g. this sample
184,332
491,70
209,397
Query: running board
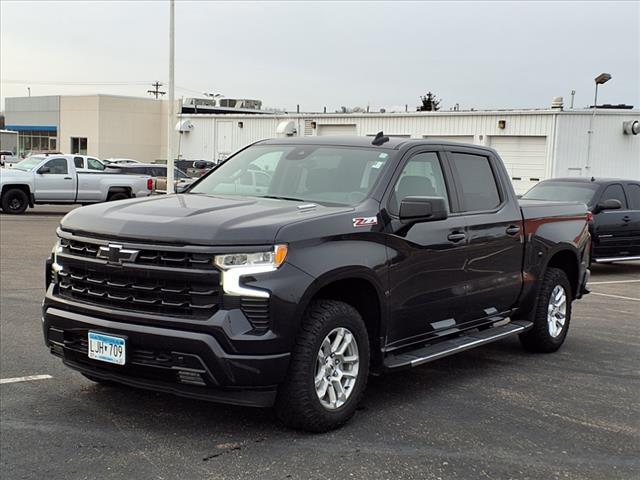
464,342
616,259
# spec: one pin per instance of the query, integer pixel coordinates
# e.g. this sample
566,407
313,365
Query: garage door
524,158
331,130
451,138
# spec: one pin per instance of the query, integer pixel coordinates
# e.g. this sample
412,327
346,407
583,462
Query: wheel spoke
321,389
346,341
337,340
332,394
350,359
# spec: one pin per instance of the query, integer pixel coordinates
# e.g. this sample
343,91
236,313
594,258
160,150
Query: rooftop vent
557,103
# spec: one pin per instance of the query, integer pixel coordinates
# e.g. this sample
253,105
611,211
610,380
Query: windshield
309,173
29,162
564,192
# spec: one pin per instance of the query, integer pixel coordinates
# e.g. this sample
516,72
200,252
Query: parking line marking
616,296
28,378
613,281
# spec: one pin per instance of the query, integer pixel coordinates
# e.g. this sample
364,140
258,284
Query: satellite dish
184,126
286,128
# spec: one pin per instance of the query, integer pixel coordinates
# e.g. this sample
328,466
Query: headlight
273,259
235,265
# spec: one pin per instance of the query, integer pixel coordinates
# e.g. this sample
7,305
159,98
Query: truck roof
394,143
593,180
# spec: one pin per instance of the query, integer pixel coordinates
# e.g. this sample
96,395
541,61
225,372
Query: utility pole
156,91
172,119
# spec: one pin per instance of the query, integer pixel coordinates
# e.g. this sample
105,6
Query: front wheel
328,370
14,201
551,315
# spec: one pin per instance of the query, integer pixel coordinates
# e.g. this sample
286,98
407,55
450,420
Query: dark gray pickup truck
354,256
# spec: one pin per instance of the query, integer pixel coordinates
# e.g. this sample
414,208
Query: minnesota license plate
107,348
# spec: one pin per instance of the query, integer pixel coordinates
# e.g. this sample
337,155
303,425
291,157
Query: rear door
613,228
427,278
58,184
632,191
493,228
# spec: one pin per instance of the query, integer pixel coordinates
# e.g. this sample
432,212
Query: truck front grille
139,285
161,258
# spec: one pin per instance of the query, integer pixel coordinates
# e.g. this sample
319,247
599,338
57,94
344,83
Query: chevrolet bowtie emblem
115,254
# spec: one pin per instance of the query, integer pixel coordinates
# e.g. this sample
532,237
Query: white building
534,144
100,125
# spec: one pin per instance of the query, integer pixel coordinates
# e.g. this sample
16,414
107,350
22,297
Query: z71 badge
365,221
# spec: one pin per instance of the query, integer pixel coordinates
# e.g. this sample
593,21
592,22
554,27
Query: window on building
79,145
479,187
614,192
35,141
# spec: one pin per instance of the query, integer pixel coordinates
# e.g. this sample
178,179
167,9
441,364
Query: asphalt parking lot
493,412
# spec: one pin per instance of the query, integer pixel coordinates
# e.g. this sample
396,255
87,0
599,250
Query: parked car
55,179
615,205
361,256
159,174
120,161
7,158
86,164
199,168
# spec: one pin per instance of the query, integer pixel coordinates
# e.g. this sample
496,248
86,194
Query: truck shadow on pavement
420,385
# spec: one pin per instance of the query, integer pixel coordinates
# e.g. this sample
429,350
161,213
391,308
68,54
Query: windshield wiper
282,198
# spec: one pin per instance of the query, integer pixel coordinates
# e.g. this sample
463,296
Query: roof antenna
380,139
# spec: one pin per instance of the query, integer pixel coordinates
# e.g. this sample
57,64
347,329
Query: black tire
297,404
14,201
539,338
117,196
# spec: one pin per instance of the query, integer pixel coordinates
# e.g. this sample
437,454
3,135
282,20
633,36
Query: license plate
107,348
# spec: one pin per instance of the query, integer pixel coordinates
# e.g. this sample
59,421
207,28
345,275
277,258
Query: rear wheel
117,196
551,315
328,370
14,201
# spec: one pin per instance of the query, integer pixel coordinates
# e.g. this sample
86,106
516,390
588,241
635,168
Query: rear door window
614,192
633,192
477,181
78,162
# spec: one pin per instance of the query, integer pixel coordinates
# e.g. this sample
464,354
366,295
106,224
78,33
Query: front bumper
186,363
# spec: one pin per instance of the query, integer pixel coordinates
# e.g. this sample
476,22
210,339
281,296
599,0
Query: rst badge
365,221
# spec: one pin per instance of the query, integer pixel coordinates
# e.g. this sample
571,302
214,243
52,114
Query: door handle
456,236
68,178
513,230
626,218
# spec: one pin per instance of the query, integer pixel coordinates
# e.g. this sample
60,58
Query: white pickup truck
55,179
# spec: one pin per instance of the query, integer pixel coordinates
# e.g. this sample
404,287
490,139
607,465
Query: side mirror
182,187
423,209
42,170
611,204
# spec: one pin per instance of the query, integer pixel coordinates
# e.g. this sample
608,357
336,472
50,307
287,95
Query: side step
616,259
464,342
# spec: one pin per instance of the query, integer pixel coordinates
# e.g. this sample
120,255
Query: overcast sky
478,54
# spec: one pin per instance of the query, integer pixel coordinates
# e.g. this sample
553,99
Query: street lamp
600,80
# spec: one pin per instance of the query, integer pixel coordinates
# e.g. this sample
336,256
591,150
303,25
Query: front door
613,228
56,184
427,277
494,231
633,196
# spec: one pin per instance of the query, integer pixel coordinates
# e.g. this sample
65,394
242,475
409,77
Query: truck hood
193,219
12,174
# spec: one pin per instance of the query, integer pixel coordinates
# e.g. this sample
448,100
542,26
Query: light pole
600,80
171,121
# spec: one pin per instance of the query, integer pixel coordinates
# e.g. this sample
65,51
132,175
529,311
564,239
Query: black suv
615,205
356,256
